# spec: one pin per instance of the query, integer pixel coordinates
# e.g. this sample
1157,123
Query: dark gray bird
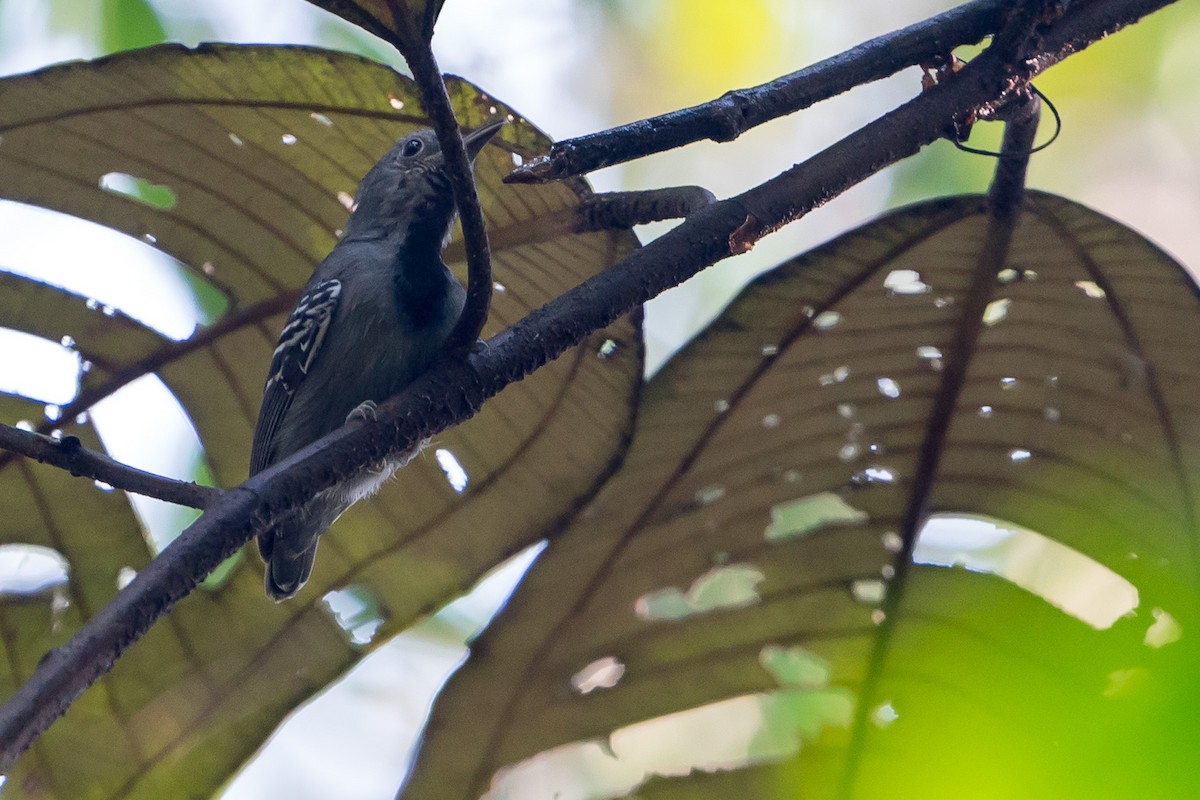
371,319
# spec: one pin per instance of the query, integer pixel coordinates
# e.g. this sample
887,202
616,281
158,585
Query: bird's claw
367,411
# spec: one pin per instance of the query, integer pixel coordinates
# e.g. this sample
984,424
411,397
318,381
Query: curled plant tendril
1023,153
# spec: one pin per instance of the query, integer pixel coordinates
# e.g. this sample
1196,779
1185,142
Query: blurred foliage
129,24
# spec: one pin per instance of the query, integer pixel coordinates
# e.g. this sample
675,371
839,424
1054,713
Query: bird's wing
298,347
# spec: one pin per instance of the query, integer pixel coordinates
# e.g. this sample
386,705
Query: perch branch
735,112
454,389
621,210
69,453
479,260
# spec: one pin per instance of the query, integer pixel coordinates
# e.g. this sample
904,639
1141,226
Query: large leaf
748,569
256,146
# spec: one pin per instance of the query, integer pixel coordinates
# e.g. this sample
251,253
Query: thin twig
479,260
730,115
69,453
454,389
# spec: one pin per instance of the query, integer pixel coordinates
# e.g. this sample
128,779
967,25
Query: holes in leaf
996,311
31,569
839,375
288,139
456,475
125,576
499,287
237,140
356,611
395,102
733,586
802,516
347,201
905,281
707,495
139,190
986,412
603,673
873,474
517,158
884,715
870,591
721,406
771,421
769,350
1091,289
607,349
888,387
1163,631
827,320
1019,454
321,119
795,667
725,735
892,541
928,352
1008,384
1064,577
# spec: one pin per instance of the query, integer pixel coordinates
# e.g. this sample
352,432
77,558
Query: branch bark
479,259
736,112
455,388
69,453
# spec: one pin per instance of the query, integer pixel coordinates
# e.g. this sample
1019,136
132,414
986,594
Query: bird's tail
290,547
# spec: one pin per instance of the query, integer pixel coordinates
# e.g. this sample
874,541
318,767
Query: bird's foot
367,411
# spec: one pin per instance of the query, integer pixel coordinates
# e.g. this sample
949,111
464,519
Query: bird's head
408,190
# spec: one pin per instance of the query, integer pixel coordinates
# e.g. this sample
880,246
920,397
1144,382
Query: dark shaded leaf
260,148
407,23
745,572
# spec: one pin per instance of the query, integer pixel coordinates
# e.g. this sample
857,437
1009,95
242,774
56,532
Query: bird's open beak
476,139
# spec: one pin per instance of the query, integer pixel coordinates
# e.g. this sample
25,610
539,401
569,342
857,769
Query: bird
373,317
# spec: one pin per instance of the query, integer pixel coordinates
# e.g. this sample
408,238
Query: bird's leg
365,411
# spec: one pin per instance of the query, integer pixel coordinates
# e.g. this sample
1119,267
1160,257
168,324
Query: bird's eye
412,147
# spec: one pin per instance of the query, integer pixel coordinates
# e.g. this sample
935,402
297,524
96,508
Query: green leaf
129,24
262,148
1040,641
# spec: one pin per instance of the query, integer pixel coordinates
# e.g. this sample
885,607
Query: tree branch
730,115
479,260
621,210
454,389
69,454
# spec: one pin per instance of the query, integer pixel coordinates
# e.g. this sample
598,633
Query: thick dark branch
730,115
69,454
621,210
479,260
454,389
